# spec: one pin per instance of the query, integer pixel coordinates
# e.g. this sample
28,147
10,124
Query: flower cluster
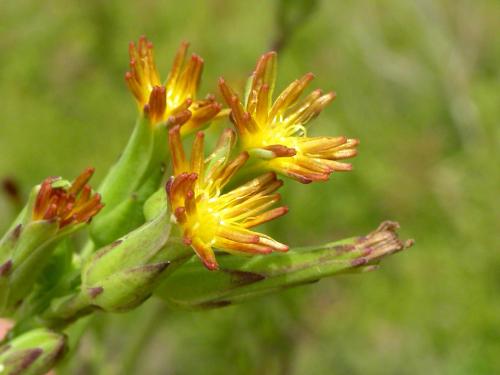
175,100
271,136
165,203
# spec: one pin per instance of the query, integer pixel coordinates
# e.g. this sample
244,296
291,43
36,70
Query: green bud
241,278
32,353
123,274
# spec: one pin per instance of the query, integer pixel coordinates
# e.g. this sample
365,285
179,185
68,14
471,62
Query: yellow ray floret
276,131
210,219
175,100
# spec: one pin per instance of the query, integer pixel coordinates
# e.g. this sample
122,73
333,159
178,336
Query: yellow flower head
175,101
276,131
210,219
72,204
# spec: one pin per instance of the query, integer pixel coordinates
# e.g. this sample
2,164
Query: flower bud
240,278
32,353
123,274
56,209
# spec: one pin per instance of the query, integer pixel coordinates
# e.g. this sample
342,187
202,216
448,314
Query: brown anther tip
187,241
211,266
193,176
234,99
221,81
216,106
309,76
190,194
149,44
128,76
89,171
174,129
210,97
196,57
270,54
332,94
200,134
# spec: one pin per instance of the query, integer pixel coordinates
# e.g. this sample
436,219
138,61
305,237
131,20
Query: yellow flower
175,101
68,205
210,218
276,131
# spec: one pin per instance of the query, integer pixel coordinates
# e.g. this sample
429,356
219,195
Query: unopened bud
32,353
241,278
56,209
122,275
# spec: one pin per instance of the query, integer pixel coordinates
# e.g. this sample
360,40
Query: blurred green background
417,81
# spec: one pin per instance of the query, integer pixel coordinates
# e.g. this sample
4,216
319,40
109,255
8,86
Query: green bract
32,353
